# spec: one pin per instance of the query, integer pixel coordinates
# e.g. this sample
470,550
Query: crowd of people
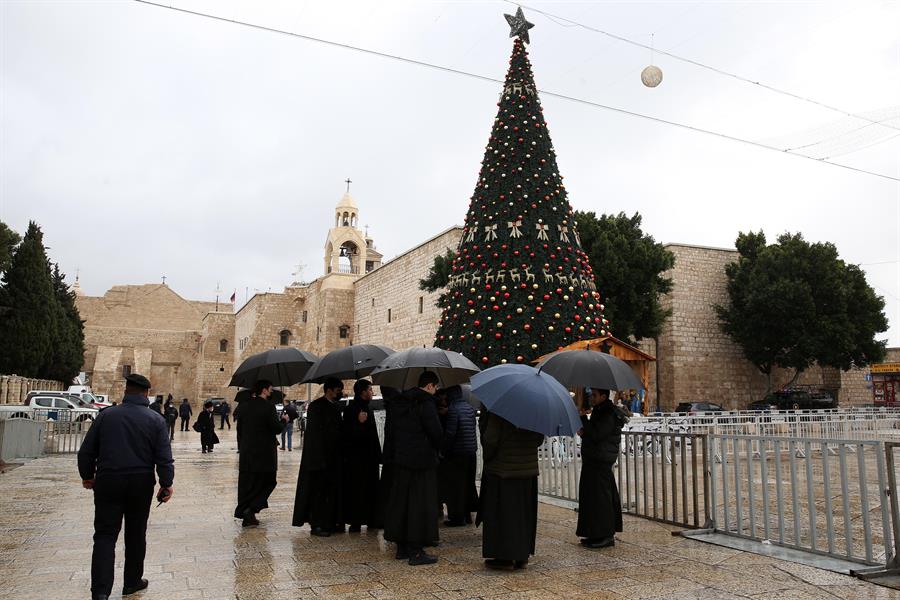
349,478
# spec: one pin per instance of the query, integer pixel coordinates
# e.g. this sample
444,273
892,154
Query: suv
797,398
694,408
73,407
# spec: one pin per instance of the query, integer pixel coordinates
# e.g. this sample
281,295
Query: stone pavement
196,550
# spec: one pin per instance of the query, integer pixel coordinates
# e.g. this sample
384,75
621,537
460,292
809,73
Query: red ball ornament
484,359
498,335
527,327
568,330
538,309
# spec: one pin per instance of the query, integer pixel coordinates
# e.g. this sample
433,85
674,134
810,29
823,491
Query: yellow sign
886,368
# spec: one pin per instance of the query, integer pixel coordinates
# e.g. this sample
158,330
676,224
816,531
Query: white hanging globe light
651,76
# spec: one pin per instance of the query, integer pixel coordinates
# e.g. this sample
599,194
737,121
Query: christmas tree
520,285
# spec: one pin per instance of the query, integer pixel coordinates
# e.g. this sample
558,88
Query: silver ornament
651,76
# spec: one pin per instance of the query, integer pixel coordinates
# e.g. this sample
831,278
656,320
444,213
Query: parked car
74,397
797,398
694,408
762,405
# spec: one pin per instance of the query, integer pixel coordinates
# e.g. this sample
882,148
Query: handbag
196,426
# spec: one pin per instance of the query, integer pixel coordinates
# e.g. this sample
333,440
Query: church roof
347,202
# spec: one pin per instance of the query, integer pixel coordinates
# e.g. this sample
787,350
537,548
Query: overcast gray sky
149,142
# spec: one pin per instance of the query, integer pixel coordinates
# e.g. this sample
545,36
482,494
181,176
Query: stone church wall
395,287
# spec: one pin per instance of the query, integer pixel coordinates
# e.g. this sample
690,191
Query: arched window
284,338
344,331
223,345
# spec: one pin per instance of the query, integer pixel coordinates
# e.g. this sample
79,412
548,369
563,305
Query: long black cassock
318,498
362,455
599,505
258,463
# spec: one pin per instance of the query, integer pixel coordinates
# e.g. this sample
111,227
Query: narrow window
304,316
373,302
344,331
284,337
223,345
126,370
421,304
318,331
389,315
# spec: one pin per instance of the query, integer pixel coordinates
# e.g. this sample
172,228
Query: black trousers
224,420
115,498
184,423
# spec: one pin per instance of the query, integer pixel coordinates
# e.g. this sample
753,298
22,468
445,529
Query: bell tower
347,250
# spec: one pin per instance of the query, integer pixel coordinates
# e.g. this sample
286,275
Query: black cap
138,380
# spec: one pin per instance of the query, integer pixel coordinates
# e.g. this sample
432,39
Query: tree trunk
794,378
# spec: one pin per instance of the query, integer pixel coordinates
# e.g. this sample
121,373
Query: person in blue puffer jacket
458,448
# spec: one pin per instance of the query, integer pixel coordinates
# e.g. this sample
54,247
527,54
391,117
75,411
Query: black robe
411,515
599,505
387,455
207,428
362,455
258,463
318,497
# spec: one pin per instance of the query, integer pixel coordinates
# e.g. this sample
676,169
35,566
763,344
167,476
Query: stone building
191,348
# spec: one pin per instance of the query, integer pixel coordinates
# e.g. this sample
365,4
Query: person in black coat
599,505
170,413
459,448
362,455
411,520
185,412
318,497
258,465
389,396
207,428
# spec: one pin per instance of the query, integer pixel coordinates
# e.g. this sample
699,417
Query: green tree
27,327
68,346
438,275
520,284
8,241
632,264
793,304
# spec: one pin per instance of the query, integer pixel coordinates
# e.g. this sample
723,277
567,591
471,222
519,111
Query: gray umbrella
351,362
589,368
402,369
281,366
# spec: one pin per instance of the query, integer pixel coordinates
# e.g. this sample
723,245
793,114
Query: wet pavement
196,550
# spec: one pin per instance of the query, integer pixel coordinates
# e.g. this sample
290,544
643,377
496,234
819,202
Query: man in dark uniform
116,461
318,497
257,428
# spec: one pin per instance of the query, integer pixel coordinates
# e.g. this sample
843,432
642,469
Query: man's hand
165,494
363,416
87,484
581,432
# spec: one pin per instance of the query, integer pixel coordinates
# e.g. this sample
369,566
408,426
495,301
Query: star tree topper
518,26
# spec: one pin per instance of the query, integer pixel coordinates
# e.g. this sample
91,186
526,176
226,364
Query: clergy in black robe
411,520
599,505
207,428
389,396
257,428
508,492
362,456
318,498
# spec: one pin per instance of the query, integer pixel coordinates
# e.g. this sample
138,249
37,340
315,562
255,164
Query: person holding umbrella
599,505
459,462
318,497
362,455
411,520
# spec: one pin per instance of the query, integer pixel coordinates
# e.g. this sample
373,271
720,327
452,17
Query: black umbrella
589,368
402,369
351,362
281,366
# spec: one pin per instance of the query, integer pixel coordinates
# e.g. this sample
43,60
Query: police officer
116,461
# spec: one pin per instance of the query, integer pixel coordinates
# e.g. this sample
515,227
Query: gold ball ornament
651,76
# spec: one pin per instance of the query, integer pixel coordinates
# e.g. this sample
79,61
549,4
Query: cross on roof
348,182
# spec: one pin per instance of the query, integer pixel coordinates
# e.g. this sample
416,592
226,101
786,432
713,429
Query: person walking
225,412
170,414
362,456
116,460
508,493
411,519
288,408
599,505
157,405
258,465
185,412
459,448
207,428
318,497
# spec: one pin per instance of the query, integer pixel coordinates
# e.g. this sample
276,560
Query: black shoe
320,532
339,529
450,523
500,564
422,558
521,564
598,543
131,589
210,450
402,554
250,520
99,597
355,529
204,451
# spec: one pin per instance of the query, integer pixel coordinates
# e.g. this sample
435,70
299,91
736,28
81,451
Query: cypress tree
27,327
520,284
68,347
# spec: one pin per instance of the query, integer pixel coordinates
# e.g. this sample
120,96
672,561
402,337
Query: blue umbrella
527,398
